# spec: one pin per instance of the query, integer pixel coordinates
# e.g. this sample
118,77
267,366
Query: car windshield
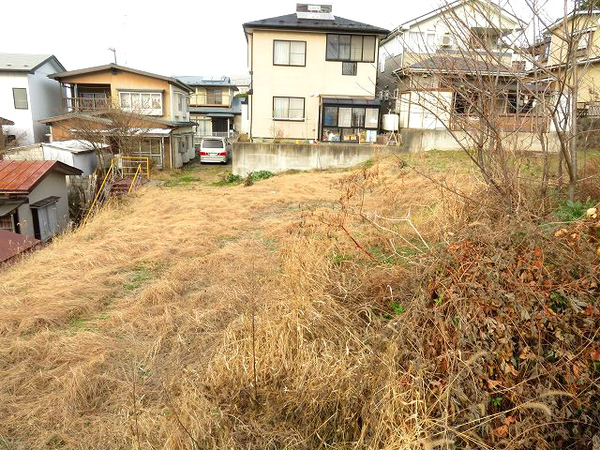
212,143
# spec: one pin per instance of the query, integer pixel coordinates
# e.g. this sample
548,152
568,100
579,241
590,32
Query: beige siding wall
558,46
122,81
319,78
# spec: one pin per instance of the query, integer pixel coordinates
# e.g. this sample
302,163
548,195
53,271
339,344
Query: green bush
570,211
261,175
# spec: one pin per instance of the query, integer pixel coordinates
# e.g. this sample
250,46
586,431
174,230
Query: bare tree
111,130
486,86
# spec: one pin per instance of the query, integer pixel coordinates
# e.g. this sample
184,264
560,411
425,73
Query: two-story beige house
214,108
313,77
94,95
427,63
581,29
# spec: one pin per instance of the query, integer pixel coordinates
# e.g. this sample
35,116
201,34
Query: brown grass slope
364,309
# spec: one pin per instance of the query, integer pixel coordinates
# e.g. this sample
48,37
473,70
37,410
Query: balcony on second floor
85,98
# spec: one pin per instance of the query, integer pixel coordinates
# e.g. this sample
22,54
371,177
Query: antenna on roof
114,50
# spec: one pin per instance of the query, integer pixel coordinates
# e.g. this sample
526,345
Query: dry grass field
307,310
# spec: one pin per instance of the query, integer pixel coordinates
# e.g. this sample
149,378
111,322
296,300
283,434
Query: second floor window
289,53
20,98
346,47
584,41
214,96
288,108
149,103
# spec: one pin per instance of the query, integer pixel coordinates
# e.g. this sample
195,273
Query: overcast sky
171,37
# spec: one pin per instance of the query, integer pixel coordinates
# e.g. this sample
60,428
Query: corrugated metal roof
222,81
23,62
291,21
20,177
11,244
76,145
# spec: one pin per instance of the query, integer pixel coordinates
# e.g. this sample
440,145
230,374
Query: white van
215,150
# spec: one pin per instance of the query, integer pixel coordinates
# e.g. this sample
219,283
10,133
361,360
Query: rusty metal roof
11,244
20,177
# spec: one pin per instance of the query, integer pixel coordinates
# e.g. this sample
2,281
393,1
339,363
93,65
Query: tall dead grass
386,314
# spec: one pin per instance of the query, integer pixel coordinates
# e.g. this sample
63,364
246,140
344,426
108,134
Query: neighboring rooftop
314,18
70,145
23,62
21,177
241,80
219,81
116,68
443,63
11,244
219,111
443,9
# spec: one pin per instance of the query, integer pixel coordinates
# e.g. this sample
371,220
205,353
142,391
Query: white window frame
146,111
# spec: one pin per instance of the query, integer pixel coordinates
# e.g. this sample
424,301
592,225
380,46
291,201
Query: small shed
73,152
34,197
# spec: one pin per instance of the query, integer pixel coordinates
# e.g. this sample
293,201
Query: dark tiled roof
11,244
291,22
20,177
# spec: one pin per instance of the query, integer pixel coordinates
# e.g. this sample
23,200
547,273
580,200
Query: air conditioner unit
446,40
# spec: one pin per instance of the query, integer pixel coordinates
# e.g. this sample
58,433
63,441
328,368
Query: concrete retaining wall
416,140
252,156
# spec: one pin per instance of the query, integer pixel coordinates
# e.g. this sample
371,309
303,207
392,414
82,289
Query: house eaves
573,13
291,22
115,67
25,63
405,26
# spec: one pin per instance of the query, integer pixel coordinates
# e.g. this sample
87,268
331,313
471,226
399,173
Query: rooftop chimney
315,12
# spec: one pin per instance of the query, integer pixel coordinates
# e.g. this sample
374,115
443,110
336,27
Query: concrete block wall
417,140
253,156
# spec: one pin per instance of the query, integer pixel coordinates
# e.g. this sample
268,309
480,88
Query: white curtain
369,48
345,117
296,108
282,52
297,55
356,48
281,108
372,119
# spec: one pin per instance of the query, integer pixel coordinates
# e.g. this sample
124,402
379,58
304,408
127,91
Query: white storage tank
390,122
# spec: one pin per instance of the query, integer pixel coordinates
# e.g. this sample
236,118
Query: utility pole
114,50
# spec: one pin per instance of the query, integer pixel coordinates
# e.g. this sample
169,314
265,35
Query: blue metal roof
222,81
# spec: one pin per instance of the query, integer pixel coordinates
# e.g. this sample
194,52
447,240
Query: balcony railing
86,104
